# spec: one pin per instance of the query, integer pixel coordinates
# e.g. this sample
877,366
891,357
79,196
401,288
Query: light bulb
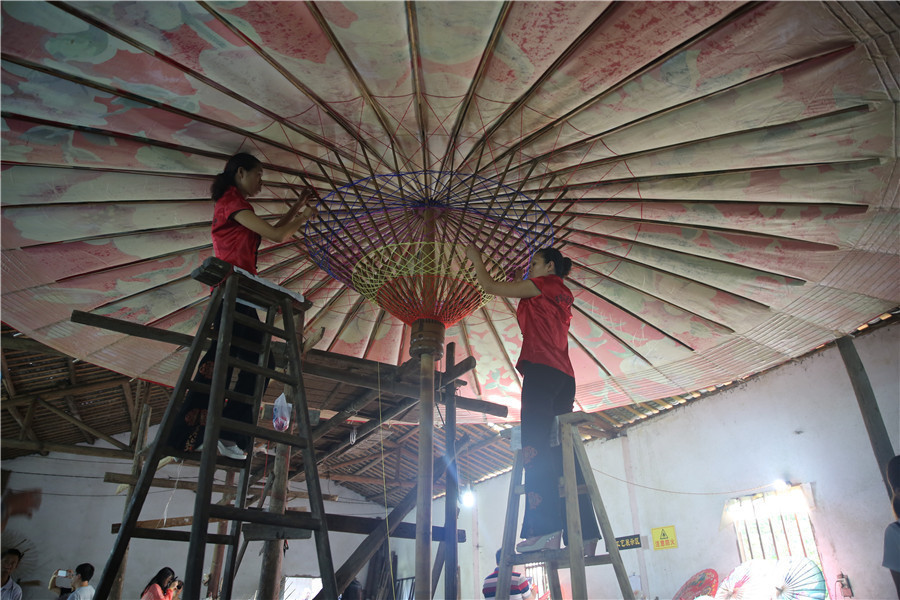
468,497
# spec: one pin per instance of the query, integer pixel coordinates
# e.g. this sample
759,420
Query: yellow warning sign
664,538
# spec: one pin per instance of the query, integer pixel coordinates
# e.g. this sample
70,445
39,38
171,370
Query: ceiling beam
66,449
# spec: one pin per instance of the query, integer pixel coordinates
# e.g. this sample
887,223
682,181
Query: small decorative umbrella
799,578
750,580
703,583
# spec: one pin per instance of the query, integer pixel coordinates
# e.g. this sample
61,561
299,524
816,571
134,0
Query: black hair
225,179
561,264
85,570
15,552
498,555
160,579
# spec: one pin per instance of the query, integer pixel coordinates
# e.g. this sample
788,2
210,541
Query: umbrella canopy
723,174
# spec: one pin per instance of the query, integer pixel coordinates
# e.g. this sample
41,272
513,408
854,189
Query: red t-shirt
232,242
544,321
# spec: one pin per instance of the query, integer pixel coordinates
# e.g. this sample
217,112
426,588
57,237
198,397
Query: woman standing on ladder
548,390
236,232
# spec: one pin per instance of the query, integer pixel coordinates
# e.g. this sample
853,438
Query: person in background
519,587
891,560
81,583
62,592
548,390
236,234
10,590
163,586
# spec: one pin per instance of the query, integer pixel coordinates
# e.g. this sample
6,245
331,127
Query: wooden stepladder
232,285
571,557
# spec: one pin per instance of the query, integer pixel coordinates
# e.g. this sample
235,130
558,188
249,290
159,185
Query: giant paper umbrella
723,174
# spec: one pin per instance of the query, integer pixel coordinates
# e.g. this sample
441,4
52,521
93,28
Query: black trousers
191,423
546,393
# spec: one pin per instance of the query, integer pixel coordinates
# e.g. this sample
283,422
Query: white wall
799,422
73,524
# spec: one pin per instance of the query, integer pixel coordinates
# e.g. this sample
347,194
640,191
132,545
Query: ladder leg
555,586
193,574
507,547
573,515
605,527
142,486
316,505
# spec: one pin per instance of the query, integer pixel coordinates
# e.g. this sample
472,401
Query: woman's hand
303,205
473,253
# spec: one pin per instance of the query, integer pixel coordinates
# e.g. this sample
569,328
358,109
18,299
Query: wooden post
139,442
270,574
451,510
868,406
425,485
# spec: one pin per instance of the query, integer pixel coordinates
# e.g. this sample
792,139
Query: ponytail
561,264
225,179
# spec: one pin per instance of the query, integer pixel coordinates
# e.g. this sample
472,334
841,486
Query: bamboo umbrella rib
661,59
288,76
670,274
809,245
859,108
357,80
150,102
655,114
310,135
860,162
418,84
631,313
546,75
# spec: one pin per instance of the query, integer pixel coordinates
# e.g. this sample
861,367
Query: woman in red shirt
163,586
548,390
236,232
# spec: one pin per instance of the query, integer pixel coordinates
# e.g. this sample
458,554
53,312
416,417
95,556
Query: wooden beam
25,344
403,483
23,423
181,484
81,424
129,403
328,365
338,523
868,407
67,449
70,403
7,379
74,390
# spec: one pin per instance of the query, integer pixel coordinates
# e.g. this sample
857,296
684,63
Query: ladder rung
291,519
205,388
260,325
262,432
244,365
560,557
179,536
221,461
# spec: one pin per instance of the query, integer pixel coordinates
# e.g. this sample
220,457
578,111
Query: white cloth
11,591
892,547
83,593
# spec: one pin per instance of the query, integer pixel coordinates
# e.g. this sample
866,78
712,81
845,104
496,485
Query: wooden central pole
270,573
425,485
